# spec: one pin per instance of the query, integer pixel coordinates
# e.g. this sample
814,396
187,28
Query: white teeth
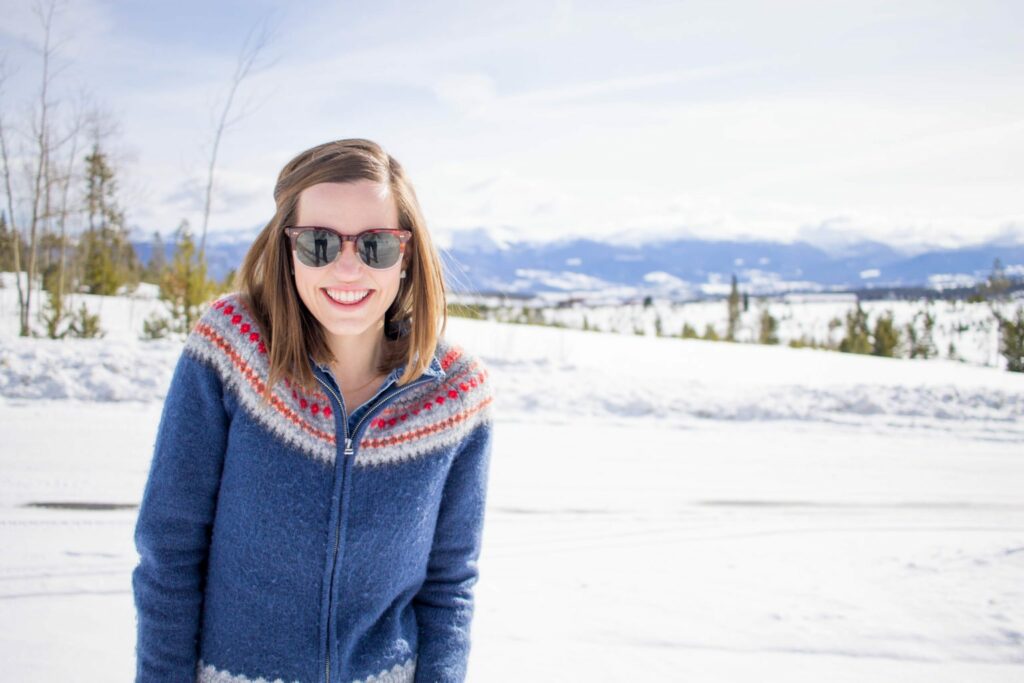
347,297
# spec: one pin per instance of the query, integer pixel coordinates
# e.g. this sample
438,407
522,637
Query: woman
315,502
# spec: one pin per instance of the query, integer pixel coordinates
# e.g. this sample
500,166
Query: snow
666,285
565,280
660,277
942,281
970,327
88,369
658,508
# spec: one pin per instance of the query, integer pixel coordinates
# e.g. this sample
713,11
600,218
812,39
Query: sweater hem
403,672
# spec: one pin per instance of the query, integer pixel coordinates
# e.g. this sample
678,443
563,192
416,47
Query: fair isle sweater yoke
284,543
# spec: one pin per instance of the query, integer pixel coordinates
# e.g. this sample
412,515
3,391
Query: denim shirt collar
433,370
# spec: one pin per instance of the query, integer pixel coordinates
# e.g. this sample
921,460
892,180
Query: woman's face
348,208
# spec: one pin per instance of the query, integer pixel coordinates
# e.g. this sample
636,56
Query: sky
823,121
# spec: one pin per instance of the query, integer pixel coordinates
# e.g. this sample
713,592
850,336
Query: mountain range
478,261
691,267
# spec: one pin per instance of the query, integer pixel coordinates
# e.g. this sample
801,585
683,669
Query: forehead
348,207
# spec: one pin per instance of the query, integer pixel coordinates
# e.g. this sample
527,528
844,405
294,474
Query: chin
351,328
344,323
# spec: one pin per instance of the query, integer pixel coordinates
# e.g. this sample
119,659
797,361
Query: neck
356,357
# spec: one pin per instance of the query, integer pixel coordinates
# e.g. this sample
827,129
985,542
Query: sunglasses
378,248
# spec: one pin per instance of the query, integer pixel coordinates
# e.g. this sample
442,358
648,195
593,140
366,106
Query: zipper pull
348,447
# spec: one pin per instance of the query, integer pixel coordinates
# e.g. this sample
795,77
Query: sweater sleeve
444,604
173,528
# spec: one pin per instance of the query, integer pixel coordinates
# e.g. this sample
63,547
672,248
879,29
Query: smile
347,297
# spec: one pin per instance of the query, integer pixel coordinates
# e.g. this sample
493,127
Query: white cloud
469,93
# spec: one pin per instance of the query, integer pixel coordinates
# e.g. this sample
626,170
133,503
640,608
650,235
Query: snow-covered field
659,509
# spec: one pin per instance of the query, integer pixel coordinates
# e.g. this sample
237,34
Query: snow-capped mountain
682,268
495,260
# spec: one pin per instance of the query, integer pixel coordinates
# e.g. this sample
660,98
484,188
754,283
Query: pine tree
997,284
886,338
688,331
734,312
154,270
109,259
920,342
833,325
768,326
1011,340
100,274
710,334
54,316
185,286
857,339
84,324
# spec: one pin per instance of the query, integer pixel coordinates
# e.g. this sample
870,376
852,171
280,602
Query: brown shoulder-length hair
413,323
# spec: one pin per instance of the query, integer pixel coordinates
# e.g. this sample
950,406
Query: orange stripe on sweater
426,431
450,383
258,385
238,300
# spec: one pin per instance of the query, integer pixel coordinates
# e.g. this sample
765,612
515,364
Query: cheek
390,289
305,285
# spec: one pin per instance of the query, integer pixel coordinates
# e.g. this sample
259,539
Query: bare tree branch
42,141
255,41
73,136
8,190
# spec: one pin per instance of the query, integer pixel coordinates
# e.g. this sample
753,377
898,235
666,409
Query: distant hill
692,267
680,268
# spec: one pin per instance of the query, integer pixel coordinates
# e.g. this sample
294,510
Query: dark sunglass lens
316,248
379,249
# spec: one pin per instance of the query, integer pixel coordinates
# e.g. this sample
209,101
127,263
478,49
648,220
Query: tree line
63,226
884,337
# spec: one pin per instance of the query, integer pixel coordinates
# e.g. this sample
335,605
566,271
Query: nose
348,260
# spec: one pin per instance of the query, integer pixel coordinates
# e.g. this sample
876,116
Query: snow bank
547,373
555,374
86,369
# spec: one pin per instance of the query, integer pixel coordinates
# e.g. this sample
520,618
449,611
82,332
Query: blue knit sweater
291,541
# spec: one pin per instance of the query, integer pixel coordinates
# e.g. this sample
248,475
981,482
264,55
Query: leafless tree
42,142
63,183
5,158
48,155
41,136
255,42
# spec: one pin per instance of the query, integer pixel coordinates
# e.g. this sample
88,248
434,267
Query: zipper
337,532
344,422
349,450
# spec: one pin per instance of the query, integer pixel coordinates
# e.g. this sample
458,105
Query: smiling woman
349,294
314,507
